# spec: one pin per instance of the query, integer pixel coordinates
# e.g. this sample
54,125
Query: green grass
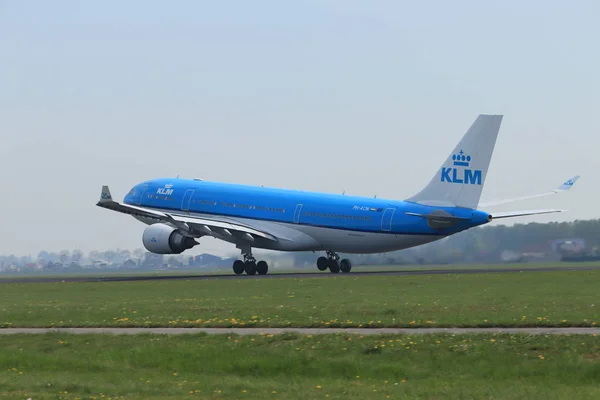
60,366
555,298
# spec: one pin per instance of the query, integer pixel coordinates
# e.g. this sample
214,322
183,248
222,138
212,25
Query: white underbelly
296,237
344,241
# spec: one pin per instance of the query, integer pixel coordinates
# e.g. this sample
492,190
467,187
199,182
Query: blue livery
350,213
179,212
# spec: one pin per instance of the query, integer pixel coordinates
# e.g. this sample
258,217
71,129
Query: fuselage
308,220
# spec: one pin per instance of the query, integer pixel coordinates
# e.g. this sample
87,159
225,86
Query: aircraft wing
193,227
511,214
565,186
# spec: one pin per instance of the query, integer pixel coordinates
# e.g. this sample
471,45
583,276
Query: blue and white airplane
180,211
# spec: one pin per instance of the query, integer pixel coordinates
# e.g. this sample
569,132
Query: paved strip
302,331
130,278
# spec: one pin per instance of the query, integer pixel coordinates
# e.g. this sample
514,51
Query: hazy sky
366,96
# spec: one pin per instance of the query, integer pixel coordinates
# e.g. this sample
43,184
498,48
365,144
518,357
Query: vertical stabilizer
459,181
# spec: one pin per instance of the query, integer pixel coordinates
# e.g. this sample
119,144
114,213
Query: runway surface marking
302,331
130,278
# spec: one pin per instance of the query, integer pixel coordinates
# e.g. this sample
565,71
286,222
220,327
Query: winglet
567,184
105,195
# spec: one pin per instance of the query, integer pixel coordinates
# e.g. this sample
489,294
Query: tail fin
460,180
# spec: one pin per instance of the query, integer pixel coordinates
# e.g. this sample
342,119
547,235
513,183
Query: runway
196,276
302,331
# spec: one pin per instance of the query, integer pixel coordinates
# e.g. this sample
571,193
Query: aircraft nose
133,196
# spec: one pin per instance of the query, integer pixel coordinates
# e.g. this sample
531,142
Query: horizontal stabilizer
565,186
437,216
438,219
511,214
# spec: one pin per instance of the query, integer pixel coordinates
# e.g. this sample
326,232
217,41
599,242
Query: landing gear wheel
238,267
322,263
250,267
334,267
345,265
262,267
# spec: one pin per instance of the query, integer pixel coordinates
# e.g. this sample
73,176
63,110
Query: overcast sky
366,96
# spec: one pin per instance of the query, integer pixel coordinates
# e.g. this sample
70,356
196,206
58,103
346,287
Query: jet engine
164,239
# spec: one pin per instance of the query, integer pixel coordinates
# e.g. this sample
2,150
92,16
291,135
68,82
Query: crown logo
168,186
461,159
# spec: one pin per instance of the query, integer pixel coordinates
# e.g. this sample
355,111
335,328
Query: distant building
208,260
571,245
153,260
510,256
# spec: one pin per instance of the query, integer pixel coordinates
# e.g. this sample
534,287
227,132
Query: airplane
179,212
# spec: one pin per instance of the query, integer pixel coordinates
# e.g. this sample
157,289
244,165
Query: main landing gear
332,262
250,266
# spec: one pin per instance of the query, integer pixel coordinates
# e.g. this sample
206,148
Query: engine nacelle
164,239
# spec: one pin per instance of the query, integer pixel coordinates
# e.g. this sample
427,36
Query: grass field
56,366
555,298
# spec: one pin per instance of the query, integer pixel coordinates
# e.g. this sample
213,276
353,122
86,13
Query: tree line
483,244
